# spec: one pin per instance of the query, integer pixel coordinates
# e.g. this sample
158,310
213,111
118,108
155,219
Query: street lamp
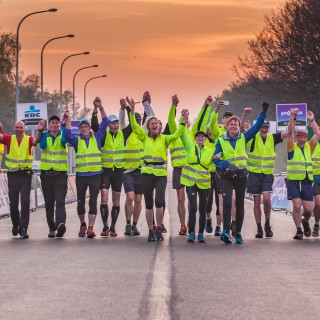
72,55
85,88
73,86
17,47
41,67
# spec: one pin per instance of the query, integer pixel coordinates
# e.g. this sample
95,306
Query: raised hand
209,100
247,111
175,100
310,115
97,103
131,104
220,104
185,114
146,97
42,125
294,112
265,106
123,104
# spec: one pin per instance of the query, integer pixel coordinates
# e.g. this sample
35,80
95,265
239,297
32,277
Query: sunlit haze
183,47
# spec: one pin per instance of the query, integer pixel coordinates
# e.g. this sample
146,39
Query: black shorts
176,176
132,181
113,178
217,183
316,189
259,183
297,189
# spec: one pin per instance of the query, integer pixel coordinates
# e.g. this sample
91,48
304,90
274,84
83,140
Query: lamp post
41,65
17,47
73,85
84,92
61,67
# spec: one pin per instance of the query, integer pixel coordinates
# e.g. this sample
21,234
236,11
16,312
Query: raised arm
213,124
291,126
41,127
122,114
314,127
172,114
203,117
139,132
171,137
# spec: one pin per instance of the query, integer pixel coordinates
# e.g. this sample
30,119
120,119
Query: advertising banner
32,113
283,115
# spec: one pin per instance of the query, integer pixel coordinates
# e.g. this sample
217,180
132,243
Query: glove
265,106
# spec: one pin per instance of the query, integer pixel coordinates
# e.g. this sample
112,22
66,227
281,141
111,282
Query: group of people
210,162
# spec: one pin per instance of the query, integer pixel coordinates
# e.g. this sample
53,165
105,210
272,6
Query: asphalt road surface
129,278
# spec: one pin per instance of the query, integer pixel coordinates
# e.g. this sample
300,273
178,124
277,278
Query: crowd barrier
36,198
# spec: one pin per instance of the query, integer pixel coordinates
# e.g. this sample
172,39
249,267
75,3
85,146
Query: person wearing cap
18,161
196,176
88,165
54,177
300,172
230,158
154,169
261,160
112,159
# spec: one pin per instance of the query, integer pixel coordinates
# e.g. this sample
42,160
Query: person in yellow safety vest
261,160
112,160
178,161
19,164
231,161
88,165
196,176
212,137
154,169
300,172
54,176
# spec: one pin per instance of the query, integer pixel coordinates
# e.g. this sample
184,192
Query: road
129,278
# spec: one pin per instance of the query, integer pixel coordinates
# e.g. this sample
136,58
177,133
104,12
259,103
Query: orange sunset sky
184,47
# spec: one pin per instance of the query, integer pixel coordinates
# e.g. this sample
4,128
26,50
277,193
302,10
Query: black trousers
19,185
82,184
239,186
192,193
150,182
54,188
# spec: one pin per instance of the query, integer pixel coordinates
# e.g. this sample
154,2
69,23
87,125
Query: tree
284,58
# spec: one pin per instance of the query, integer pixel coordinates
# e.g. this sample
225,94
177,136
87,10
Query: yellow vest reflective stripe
54,156
263,157
19,157
155,156
88,159
237,156
212,146
178,154
316,160
133,153
300,165
112,151
197,173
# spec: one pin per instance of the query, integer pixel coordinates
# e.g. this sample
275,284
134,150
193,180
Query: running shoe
268,231
192,237
306,228
183,231
61,230
201,238
233,228
163,228
238,238
127,231
315,231
151,237
23,233
90,233
217,232
52,234
259,234
113,233
82,232
15,231
135,231
209,228
159,235
154,227
298,236
105,232
225,237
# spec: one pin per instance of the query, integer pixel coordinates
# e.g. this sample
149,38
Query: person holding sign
300,172
261,160
19,164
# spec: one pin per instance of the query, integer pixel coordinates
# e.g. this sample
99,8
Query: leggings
203,199
239,186
150,182
216,195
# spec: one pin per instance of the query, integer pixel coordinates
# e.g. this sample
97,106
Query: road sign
32,113
283,115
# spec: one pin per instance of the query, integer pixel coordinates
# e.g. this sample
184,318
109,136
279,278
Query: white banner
32,113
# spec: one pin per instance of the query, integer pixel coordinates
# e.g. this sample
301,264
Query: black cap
228,114
54,117
266,123
200,132
137,115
